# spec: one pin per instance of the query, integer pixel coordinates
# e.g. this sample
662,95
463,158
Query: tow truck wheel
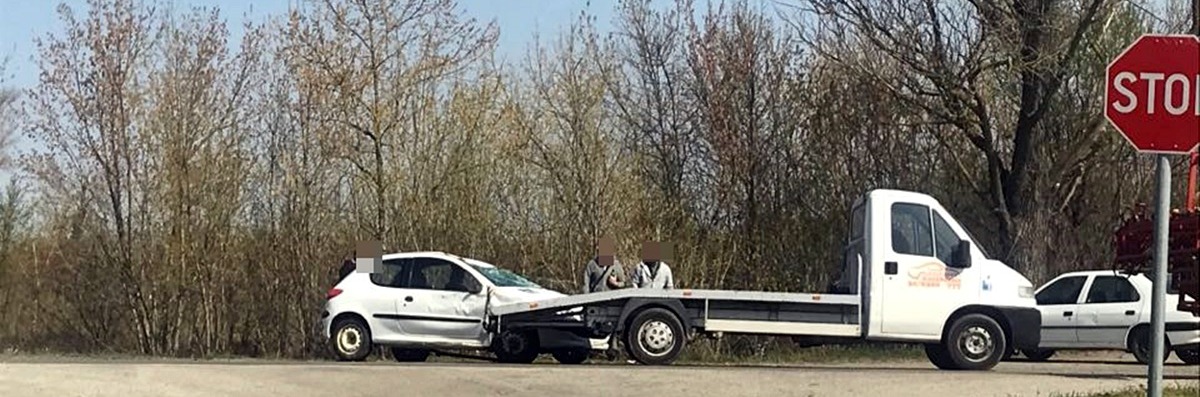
514,347
409,355
571,356
1038,354
1189,356
655,337
351,340
975,342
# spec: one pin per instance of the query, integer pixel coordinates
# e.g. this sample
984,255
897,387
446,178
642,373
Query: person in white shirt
652,271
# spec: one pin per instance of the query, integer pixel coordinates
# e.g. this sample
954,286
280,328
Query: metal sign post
1162,218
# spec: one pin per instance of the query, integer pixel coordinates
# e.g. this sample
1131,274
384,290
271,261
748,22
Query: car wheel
655,337
1189,356
1038,354
571,356
1141,346
938,355
975,342
351,339
516,347
409,355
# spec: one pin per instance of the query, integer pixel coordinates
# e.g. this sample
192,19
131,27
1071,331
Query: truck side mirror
962,255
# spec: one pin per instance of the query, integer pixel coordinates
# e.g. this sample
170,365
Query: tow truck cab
923,269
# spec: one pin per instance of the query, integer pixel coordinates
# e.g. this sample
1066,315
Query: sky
21,21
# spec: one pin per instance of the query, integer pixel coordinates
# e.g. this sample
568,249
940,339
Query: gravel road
133,378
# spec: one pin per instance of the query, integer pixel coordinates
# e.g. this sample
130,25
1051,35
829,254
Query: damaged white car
419,302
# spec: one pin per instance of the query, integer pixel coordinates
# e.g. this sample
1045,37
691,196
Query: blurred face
650,252
605,249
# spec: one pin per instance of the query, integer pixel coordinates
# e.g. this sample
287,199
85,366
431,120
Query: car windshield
502,277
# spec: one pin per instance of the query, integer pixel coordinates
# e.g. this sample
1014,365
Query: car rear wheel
1190,355
351,339
1142,347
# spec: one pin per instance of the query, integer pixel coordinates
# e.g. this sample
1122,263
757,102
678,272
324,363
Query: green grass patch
767,350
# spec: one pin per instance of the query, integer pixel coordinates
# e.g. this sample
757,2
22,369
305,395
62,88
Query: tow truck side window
393,274
1065,291
1112,289
912,229
945,240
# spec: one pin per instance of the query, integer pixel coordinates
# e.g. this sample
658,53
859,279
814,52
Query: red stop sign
1153,93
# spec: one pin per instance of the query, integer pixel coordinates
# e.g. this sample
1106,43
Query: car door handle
1068,314
1129,312
890,268
408,299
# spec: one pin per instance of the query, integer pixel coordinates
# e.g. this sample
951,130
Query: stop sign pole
1153,100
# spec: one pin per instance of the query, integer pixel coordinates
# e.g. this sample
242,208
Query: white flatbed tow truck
923,281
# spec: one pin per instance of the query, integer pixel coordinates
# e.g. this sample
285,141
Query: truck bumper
1025,324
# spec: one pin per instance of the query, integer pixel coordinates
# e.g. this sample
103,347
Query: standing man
652,271
604,272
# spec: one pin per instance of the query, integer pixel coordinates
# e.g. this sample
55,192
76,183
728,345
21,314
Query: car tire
514,347
1189,356
1038,354
975,342
571,356
409,355
1141,345
351,339
655,337
940,358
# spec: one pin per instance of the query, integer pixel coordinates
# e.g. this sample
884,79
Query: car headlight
1025,292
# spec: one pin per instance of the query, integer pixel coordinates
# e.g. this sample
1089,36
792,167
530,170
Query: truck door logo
934,275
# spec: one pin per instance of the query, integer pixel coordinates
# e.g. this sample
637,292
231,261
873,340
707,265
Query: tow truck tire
1189,356
1038,354
571,356
351,339
1141,345
975,342
515,347
940,358
655,337
409,355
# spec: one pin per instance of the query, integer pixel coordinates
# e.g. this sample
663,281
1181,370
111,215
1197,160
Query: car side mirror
961,257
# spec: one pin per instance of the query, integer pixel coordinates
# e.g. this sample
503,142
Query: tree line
192,195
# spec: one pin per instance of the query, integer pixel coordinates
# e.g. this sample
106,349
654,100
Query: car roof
436,254
1097,272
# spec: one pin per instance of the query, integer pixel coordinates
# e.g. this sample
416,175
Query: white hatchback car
1106,309
424,301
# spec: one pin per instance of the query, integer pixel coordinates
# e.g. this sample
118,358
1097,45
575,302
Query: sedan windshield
504,278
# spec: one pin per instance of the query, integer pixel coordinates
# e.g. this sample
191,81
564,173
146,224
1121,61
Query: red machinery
1134,241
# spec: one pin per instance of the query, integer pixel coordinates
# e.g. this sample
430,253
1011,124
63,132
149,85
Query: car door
381,302
1059,301
1112,307
919,290
440,304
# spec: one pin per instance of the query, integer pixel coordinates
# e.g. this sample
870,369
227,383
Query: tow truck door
919,289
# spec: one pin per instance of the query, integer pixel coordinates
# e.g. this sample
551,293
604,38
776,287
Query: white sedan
424,301
1106,309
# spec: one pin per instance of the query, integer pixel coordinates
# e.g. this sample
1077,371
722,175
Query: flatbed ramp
776,313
